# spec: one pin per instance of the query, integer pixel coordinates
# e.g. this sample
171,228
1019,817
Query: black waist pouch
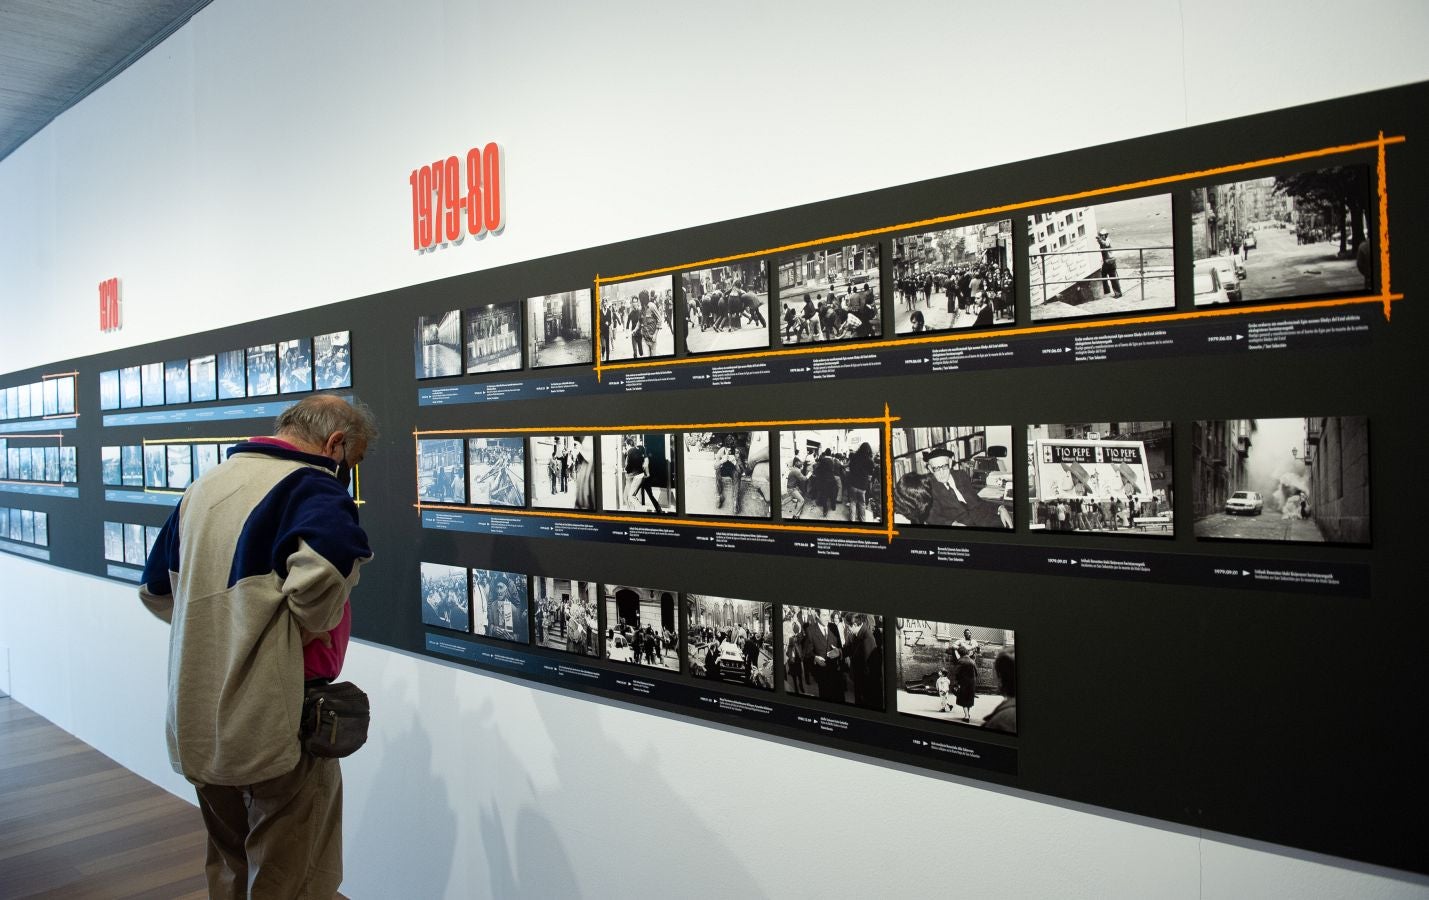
335,719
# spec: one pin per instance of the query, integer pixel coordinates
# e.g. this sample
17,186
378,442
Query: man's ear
334,440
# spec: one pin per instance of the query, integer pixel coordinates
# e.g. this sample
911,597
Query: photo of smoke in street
332,360
834,655
725,307
1107,477
958,476
232,375
1107,258
499,600
730,641
438,345
1301,235
637,319
727,474
497,469
566,616
441,471
966,674
562,471
295,365
263,370
558,330
444,597
833,475
642,626
830,294
203,379
638,472
954,278
493,337
1282,479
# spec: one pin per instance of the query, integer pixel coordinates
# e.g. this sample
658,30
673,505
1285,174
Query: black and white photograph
438,345
12,401
50,396
109,471
131,388
1101,259
642,626
332,360
562,471
20,469
639,472
205,458
37,398
565,615
151,537
493,337
156,466
729,640
445,601
4,459
1301,480
558,330
203,379
497,470
232,375
441,470
1105,477
133,544
1305,234
957,476
726,307
42,529
176,381
69,465
954,278
180,466
263,370
17,533
131,465
834,655
499,601
831,294
726,474
152,380
52,465
964,674
114,542
295,366
4,523
23,392
834,475
65,386
637,319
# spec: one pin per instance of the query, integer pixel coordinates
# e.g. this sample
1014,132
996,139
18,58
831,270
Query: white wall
256,162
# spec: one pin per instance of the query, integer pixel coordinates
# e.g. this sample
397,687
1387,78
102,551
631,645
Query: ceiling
54,53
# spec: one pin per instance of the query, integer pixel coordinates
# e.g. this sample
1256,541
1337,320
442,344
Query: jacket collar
282,450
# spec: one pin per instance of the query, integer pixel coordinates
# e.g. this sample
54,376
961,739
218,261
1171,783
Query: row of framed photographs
43,464
164,466
1275,238
129,544
48,397
25,526
287,367
956,673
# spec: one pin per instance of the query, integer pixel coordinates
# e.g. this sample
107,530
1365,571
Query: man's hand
310,636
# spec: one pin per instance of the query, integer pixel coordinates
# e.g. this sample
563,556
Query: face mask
343,473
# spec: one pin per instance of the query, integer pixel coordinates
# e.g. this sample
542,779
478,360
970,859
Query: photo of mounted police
441,471
295,365
445,602
727,474
499,599
724,307
493,337
637,319
642,627
730,641
558,329
566,616
834,655
562,471
965,674
833,475
497,469
1107,258
1105,477
957,476
639,473
954,278
332,360
830,295
438,345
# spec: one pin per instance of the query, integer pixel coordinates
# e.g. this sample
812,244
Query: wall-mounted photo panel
27,526
493,337
262,364
565,616
1107,258
558,330
37,398
445,602
42,529
156,466
180,466
50,396
639,472
176,381
726,473
964,674
19,467
438,345
151,537
52,465
223,450
205,458
110,472
729,640
232,375
499,603
637,319
65,387
131,465
114,542
497,469
1105,477
833,474
956,476
642,626
1282,479
295,365
4,523
834,655
562,471
4,459
441,470
23,392
954,278
12,401
69,465
725,307
131,388
830,294
152,381
109,390
203,379
332,360
133,544
17,531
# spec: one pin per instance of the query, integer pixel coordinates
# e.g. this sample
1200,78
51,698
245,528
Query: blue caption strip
39,553
265,410
39,425
124,573
40,490
145,498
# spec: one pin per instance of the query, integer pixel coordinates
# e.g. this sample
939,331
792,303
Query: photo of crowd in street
562,471
566,616
957,476
638,472
727,474
1110,477
332,360
724,307
203,379
558,329
445,601
830,294
966,674
497,469
730,641
1095,260
441,471
232,375
438,345
1301,235
176,382
1302,480
642,626
499,599
954,278
263,370
834,655
295,365
493,337
637,319
834,475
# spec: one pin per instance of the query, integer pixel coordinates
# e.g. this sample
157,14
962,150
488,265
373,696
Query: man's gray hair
314,419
